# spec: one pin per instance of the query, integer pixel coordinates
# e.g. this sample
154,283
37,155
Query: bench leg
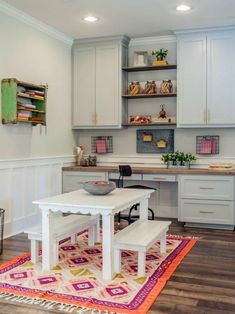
141,263
117,261
55,253
74,238
163,245
34,251
91,235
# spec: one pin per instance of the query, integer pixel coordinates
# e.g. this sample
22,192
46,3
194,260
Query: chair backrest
124,171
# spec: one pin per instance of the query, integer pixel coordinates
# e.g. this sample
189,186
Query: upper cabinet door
84,86
108,95
191,81
220,78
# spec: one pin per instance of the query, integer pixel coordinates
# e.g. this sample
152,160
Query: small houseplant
178,159
160,56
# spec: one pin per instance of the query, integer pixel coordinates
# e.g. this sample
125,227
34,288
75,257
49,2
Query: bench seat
140,236
65,226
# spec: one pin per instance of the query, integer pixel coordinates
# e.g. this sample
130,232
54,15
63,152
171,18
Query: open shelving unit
23,99
142,96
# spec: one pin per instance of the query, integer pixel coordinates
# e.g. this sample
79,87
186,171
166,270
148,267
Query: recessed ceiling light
90,19
183,7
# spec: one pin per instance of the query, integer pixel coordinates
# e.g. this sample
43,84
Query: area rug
76,284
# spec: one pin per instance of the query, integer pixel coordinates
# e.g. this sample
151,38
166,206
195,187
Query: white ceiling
135,18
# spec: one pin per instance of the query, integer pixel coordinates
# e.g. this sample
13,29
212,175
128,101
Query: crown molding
205,29
31,21
152,40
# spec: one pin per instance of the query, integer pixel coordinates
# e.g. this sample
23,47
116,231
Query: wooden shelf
149,96
147,124
32,86
150,68
30,97
31,121
29,109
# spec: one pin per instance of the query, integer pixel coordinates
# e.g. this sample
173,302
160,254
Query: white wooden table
82,202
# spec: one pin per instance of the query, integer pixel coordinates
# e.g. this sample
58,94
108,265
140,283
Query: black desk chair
126,171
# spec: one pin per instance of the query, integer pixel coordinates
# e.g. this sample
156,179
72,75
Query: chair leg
130,211
152,213
97,229
74,238
55,252
91,235
119,217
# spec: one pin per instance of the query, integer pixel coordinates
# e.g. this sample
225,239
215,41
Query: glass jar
166,87
134,88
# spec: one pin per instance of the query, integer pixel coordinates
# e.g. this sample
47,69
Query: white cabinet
206,72
206,199
97,82
74,180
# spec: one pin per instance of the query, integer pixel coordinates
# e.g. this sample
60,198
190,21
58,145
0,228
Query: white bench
65,226
140,236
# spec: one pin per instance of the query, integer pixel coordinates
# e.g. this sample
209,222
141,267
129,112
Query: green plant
178,156
160,54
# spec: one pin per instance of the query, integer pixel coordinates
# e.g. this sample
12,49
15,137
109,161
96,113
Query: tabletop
81,199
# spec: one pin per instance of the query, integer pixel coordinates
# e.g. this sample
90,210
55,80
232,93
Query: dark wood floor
203,283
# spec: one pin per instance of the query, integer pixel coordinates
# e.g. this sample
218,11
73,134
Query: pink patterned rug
76,284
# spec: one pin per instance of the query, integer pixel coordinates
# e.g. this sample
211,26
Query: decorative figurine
162,113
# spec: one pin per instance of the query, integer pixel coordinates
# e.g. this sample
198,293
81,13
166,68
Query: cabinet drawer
74,180
214,212
207,187
134,176
159,177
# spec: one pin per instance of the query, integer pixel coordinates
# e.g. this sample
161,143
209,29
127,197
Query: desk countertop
153,170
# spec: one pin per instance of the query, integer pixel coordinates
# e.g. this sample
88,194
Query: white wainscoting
25,180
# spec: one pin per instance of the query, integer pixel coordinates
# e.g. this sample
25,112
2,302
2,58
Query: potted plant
188,158
160,56
178,159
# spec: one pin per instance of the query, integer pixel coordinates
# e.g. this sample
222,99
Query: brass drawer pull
206,188
206,212
159,178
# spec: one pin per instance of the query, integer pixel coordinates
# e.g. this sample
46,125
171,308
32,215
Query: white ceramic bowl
99,187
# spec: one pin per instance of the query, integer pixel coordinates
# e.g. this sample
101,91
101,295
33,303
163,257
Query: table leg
47,240
144,209
108,250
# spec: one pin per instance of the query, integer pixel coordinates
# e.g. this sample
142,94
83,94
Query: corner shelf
149,96
150,68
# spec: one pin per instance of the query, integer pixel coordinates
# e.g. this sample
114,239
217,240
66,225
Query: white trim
36,161
152,40
31,21
208,29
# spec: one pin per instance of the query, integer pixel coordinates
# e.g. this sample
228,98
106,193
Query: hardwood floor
204,283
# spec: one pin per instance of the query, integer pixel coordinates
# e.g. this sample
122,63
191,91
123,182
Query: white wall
30,162
32,56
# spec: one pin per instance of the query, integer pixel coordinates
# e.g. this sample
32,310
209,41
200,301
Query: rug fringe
51,305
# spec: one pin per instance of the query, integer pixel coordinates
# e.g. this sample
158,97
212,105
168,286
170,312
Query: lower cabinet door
204,211
74,180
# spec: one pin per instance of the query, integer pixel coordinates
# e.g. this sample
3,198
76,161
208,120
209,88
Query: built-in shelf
150,68
147,124
149,96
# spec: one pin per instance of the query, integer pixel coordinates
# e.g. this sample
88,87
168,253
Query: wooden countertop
153,170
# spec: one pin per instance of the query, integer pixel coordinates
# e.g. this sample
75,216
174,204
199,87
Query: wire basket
2,212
